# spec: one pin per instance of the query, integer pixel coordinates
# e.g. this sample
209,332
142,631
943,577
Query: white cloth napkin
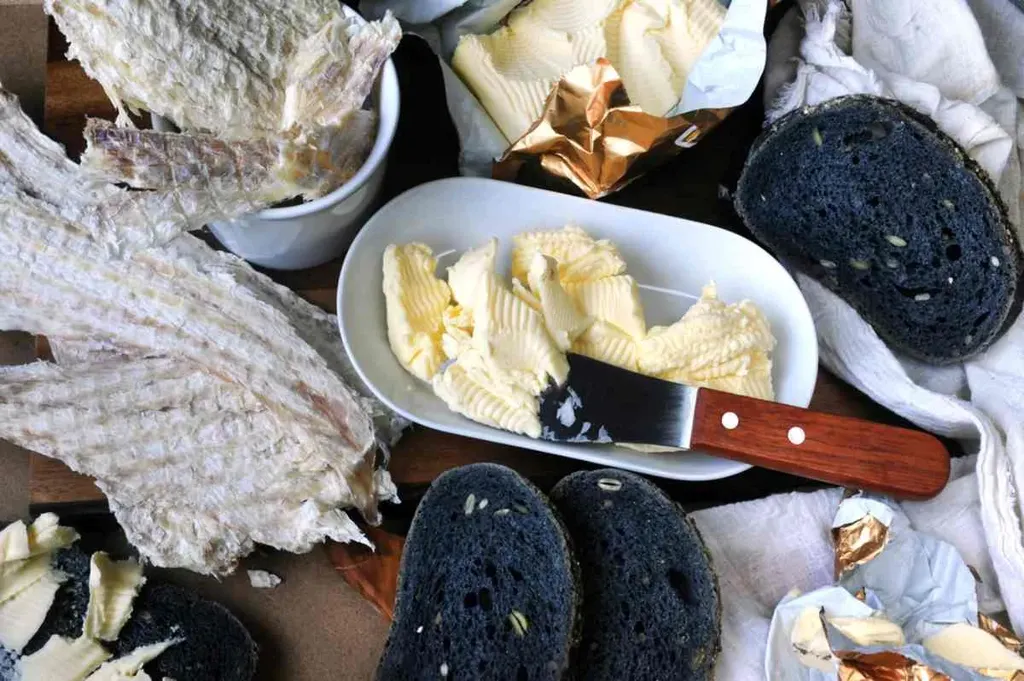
762,549
934,56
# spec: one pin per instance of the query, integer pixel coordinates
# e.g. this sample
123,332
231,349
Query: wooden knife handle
907,464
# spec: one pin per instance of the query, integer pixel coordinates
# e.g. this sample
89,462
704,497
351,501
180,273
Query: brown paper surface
23,31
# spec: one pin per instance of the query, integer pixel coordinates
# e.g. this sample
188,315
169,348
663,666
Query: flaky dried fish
314,139
333,71
34,170
210,404
301,161
149,159
218,66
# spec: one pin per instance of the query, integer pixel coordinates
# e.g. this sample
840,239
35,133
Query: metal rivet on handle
730,421
797,435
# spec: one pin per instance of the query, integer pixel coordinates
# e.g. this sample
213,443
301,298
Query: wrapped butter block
587,88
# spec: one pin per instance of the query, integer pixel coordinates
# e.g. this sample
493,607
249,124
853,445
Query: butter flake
112,590
63,659
21,616
129,667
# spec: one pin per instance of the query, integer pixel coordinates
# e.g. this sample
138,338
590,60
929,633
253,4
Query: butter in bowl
644,320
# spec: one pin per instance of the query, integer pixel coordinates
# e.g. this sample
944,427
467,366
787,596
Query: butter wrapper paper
905,609
589,134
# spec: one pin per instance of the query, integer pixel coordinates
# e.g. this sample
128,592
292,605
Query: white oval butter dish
672,259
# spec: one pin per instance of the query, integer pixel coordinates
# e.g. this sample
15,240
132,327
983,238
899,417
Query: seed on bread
519,623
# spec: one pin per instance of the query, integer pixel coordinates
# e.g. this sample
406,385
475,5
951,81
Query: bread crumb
261,579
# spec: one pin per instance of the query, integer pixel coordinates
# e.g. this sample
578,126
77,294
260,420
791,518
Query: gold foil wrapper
1010,640
591,136
858,542
884,666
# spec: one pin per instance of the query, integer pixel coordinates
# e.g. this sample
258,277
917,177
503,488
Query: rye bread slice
651,607
215,645
488,587
871,199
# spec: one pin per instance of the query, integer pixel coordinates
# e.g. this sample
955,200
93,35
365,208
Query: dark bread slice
871,199
651,608
216,646
488,586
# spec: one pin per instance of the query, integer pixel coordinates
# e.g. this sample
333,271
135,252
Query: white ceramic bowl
672,259
317,231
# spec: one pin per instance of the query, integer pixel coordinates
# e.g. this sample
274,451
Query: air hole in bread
681,585
947,234
491,570
522,674
872,133
980,319
485,599
874,201
953,252
470,600
516,574
639,627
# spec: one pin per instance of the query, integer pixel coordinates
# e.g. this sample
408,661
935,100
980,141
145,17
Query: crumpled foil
590,135
858,535
888,573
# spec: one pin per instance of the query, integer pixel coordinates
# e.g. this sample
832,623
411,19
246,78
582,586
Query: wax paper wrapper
589,134
905,609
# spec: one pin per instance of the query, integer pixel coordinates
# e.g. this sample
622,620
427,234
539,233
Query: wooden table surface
426,148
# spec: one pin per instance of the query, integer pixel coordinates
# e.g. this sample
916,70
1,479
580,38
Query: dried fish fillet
308,162
333,71
312,139
211,404
234,68
35,170
149,159
210,66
